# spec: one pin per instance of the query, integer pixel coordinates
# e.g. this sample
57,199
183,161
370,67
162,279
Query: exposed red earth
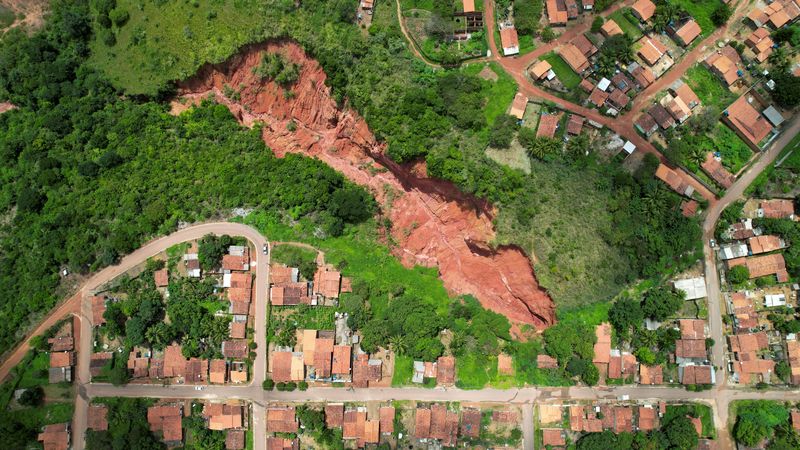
433,222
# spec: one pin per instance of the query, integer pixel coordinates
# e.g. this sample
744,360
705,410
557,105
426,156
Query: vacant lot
563,71
165,41
499,93
708,88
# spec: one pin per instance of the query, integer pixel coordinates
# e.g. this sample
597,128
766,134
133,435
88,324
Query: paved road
137,257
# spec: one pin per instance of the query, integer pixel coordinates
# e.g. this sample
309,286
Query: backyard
630,28
702,11
708,88
499,93
563,71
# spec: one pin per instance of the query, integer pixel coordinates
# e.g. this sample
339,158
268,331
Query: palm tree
399,344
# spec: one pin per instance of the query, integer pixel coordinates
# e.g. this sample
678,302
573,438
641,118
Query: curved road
82,379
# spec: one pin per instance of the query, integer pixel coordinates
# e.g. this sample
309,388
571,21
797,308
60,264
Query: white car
266,249
198,388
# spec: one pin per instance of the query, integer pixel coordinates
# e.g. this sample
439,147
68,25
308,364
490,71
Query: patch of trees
275,67
572,345
211,248
89,177
312,422
526,15
127,427
666,12
614,50
678,433
721,14
787,89
738,275
757,420
502,131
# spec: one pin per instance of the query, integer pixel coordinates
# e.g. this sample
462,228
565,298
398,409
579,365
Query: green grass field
499,93
735,153
708,88
630,28
164,41
563,71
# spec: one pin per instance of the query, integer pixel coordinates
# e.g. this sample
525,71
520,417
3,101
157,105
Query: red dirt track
433,222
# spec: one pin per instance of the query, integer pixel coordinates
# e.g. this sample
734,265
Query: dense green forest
87,176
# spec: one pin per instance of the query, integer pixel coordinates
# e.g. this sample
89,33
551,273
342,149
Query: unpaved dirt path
32,10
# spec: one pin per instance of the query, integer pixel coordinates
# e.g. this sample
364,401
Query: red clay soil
433,222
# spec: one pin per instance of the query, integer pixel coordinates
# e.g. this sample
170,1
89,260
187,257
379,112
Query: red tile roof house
761,266
726,64
713,167
366,371
643,10
662,116
684,92
650,49
55,436
167,420
509,40
548,124
327,283
471,423
648,419
282,420
446,371
235,349
747,122
235,440
611,28
642,75
651,374
598,97
689,208
98,309
218,371
278,443
584,45
574,57
777,209
546,362
575,124
618,99
555,16
386,415
602,348
553,437
686,33
673,180
334,415
161,278
760,43
98,417
646,124
696,375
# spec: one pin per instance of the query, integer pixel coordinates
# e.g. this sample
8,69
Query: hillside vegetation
587,244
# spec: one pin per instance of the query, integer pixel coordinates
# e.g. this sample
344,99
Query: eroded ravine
433,222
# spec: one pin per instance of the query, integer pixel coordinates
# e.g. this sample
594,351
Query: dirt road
80,303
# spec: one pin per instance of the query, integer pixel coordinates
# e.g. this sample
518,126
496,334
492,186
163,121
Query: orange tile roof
278,443
61,359
777,208
647,418
218,371
227,417
98,309
651,374
598,97
386,414
689,208
651,49
55,436
764,244
575,124
725,63
696,375
98,417
553,437
574,57
327,283
279,275
584,45
540,69
644,76
509,38
602,347
161,277
341,360
548,123
713,167
747,120
688,32
687,95
611,28
468,5
167,419
471,422
796,419
323,357
174,361
281,367
760,266
238,330
334,415
518,105
505,364
554,15
690,348
235,440
422,423
446,370
644,9
281,420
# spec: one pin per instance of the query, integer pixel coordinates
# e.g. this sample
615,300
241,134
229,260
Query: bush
721,15
268,384
302,385
738,274
32,397
119,16
597,24
502,131
108,37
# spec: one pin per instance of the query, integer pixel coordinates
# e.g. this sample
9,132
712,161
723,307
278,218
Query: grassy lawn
701,10
36,372
164,41
735,153
563,71
407,5
499,94
708,88
404,370
310,317
526,44
289,254
630,28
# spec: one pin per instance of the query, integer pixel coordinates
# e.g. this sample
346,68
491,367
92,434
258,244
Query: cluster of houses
62,357
443,371
561,11
673,109
235,281
565,423
165,419
355,423
325,356
288,289
760,254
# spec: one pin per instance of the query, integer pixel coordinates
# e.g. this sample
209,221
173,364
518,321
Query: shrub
597,24
119,16
108,37
302,385
503,131
32,397
268,384
738,274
